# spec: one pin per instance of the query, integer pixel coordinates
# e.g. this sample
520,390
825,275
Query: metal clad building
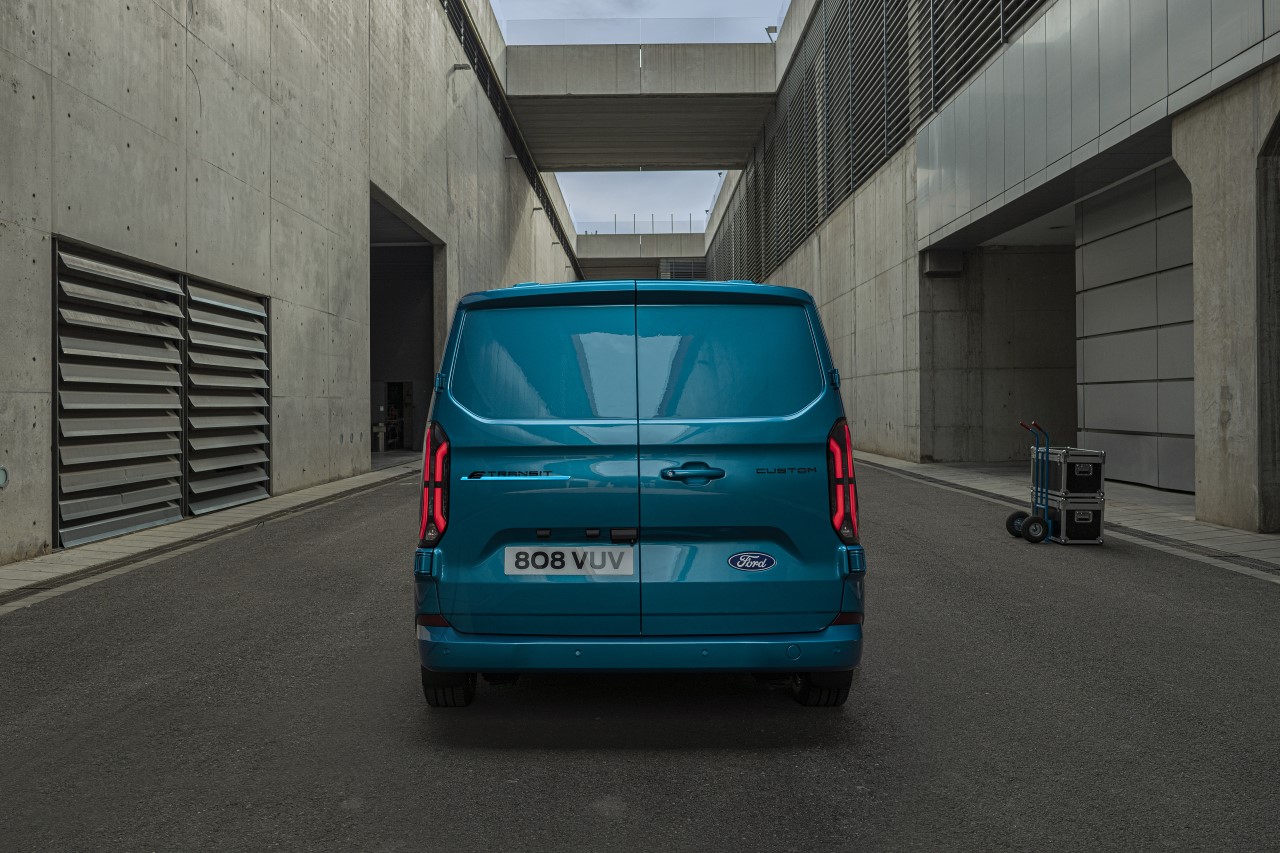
969,162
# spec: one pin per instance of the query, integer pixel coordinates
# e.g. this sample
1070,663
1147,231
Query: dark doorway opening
401,339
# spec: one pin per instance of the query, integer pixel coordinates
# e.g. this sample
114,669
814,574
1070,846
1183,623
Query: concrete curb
75,564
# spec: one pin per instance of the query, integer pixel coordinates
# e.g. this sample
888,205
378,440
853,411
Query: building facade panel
1035,106
1190,41
1108,91
1131,348
1085,91
1149,43
1115,62
1113,67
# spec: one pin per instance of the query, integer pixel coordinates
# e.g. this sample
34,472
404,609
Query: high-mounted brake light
840,481
435,486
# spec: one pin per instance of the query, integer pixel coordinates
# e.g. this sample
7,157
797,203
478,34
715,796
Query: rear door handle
692,473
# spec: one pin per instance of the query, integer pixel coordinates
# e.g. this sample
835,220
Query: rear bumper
447,650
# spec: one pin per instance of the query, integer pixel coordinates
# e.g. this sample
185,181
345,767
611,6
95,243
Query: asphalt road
261,693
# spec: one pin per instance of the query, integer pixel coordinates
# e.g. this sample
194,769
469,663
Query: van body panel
838,647
736,383
490,513
694,414
539,406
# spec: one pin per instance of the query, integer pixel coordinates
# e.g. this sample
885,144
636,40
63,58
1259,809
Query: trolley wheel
1035,529
1013,524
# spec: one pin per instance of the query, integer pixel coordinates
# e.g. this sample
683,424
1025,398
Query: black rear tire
1035,530
448,689
1013,524
821,689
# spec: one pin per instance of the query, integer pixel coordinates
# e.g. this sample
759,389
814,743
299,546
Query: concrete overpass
615,107
605,257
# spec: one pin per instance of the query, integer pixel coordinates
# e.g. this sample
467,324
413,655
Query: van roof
564,292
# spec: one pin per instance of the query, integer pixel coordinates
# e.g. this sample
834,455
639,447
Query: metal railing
864,78
638,30
644,223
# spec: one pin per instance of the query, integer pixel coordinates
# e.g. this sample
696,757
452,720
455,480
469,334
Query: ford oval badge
752,561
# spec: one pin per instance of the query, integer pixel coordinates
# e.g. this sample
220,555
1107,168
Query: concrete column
1217,143
1269,331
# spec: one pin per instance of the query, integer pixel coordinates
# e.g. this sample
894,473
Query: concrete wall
593,246
997,346
861,267
938,369
788,38
1218,143
674,106
608,257
632,69
236,141
720,205
1134,323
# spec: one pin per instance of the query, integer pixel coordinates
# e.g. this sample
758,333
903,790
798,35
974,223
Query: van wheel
1035,530
448,689
1013,524
821,689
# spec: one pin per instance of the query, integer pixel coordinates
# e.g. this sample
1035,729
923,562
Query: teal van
638,476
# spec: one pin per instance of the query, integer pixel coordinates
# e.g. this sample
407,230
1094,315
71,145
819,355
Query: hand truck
1034,526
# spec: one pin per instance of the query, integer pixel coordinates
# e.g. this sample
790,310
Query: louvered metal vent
865,76
682,269
119,399
162,398
227,399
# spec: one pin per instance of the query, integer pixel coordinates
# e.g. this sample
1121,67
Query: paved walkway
1167,517
393,458
80,565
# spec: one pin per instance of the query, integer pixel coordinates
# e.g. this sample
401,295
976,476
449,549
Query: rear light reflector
432,620
842,489
435,486
848,619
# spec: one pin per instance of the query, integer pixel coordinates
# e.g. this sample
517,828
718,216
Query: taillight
840,483
435,486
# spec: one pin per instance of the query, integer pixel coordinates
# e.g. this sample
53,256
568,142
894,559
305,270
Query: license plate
568,561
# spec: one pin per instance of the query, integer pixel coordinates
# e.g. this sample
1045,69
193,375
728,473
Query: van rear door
735,406
540,410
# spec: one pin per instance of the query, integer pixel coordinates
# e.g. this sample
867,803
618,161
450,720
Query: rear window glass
569,363
726,361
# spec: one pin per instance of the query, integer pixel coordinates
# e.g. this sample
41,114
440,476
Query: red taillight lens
840,481
848,619
432,620
435,486
835,476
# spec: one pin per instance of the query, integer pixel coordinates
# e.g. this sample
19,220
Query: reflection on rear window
570,363
726,361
